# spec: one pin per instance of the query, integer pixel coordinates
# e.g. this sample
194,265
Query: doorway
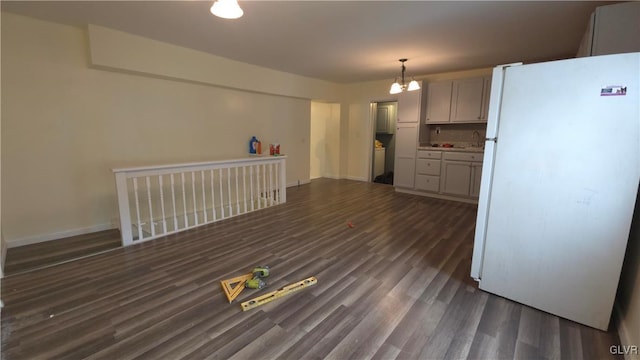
384,141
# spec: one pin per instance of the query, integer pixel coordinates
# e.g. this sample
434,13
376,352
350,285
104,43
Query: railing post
283,181
123,208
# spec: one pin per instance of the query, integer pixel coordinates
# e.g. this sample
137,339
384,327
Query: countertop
461,149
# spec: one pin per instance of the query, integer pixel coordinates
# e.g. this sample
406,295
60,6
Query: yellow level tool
261,300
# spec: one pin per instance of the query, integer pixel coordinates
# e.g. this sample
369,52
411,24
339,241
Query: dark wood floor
396,285
34,256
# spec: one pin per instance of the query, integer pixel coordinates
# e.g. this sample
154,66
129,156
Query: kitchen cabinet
466,100
486,94
612,29
476,175
405,155
409,107
461,174
428,170
438,102
458,101
385,123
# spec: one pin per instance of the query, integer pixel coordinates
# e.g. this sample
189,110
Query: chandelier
397,87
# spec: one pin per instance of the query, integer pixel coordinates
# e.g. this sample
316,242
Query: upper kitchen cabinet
458,101
612,29
409,106
438,102
385,118
486,94
466,100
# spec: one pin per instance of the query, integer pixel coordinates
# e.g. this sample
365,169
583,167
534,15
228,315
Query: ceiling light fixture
227,9
397,87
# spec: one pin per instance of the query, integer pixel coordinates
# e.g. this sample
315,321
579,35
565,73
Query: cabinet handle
479,117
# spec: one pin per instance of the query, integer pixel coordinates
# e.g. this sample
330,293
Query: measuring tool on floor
234,286
266,298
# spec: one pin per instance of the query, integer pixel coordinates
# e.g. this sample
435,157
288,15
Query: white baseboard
58,235
299,182
623,333
436,196
332,176
356,178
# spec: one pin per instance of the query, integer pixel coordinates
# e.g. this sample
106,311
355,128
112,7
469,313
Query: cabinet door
466,100
585,44
476,174
403,173
405,155
382,120
456,178
616,28
486,94
438,102
428,167
409,106
427,182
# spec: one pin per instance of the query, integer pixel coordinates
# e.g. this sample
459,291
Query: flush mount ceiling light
227,9
397,87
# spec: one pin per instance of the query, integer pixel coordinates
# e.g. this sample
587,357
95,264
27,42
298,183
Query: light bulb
227,9
413,85
395,88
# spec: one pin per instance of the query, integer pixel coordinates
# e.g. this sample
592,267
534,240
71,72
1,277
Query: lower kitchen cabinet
428,170
427,182
476,174
405,155
404,168
456,178
461,173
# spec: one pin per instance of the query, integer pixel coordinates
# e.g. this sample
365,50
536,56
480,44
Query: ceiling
345,41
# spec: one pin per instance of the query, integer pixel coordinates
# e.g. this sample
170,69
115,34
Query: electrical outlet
438,130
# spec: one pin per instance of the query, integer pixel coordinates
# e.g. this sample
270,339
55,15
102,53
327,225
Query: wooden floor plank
395,285
28,257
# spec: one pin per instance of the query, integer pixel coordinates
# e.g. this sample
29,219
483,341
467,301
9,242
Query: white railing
155,201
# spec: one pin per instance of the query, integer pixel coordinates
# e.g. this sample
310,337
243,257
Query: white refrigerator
559,183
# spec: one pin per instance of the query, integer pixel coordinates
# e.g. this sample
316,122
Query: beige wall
325,140
320,114
65,125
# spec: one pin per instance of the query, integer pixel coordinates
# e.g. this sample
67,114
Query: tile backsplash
456,134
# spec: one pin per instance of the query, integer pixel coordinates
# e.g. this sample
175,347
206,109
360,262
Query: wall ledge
123,52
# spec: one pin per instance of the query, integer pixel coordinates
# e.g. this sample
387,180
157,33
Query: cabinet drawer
460,156
428,154
428,167
428,183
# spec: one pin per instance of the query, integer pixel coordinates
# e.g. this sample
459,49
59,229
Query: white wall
325,140
320,113
65,125
333,143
